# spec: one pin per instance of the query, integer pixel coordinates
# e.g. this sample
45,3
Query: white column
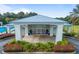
26,30
8,29
59,33
1,23
51,30
18,35
69,29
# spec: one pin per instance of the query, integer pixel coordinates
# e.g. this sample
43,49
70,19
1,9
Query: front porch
39,32
39,38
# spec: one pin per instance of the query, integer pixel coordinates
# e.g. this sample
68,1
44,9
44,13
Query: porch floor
39,38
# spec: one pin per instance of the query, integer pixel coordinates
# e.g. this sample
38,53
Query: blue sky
51,10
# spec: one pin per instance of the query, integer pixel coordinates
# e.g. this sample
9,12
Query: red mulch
6,35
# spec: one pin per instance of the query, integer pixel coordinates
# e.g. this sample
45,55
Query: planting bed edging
39,52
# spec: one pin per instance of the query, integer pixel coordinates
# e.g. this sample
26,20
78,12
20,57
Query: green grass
74,28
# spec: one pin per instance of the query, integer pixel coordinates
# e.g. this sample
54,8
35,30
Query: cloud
21,9
4,8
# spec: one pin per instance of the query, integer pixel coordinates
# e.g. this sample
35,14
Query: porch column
51,30
69,29
26,30
59,33
18,35
8,29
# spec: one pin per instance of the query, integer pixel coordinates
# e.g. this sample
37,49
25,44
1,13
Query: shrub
29,47
41,47
70,34
44,47
21,42
50,46
13,48
17,46
63,42
65,48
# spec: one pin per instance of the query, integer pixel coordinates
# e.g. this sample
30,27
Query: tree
74,16
4,21
10,16
7,14
21,14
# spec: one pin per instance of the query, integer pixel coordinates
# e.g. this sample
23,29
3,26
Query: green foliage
70,34
50,46
12,16
34,47
73,18
45,47
13,41
29,47
39,47
4,21
21,15
63,42
21,42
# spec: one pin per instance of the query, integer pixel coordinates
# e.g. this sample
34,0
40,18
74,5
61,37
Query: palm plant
75,15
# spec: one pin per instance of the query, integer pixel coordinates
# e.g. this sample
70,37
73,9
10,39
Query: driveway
2,42
75,42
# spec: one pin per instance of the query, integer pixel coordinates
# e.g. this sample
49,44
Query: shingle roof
39,19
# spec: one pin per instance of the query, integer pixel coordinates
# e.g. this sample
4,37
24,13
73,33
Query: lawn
74,28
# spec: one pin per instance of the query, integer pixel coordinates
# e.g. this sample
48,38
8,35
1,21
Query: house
39,24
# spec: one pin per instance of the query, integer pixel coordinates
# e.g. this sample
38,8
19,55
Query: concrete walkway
39,38
75,42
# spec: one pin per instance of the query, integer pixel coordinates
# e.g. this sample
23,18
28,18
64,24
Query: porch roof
39,19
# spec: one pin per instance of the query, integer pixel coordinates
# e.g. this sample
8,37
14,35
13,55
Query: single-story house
39,24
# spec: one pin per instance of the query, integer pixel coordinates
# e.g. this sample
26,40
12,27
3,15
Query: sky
51,10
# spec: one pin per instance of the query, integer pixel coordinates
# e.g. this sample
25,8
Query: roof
38,19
